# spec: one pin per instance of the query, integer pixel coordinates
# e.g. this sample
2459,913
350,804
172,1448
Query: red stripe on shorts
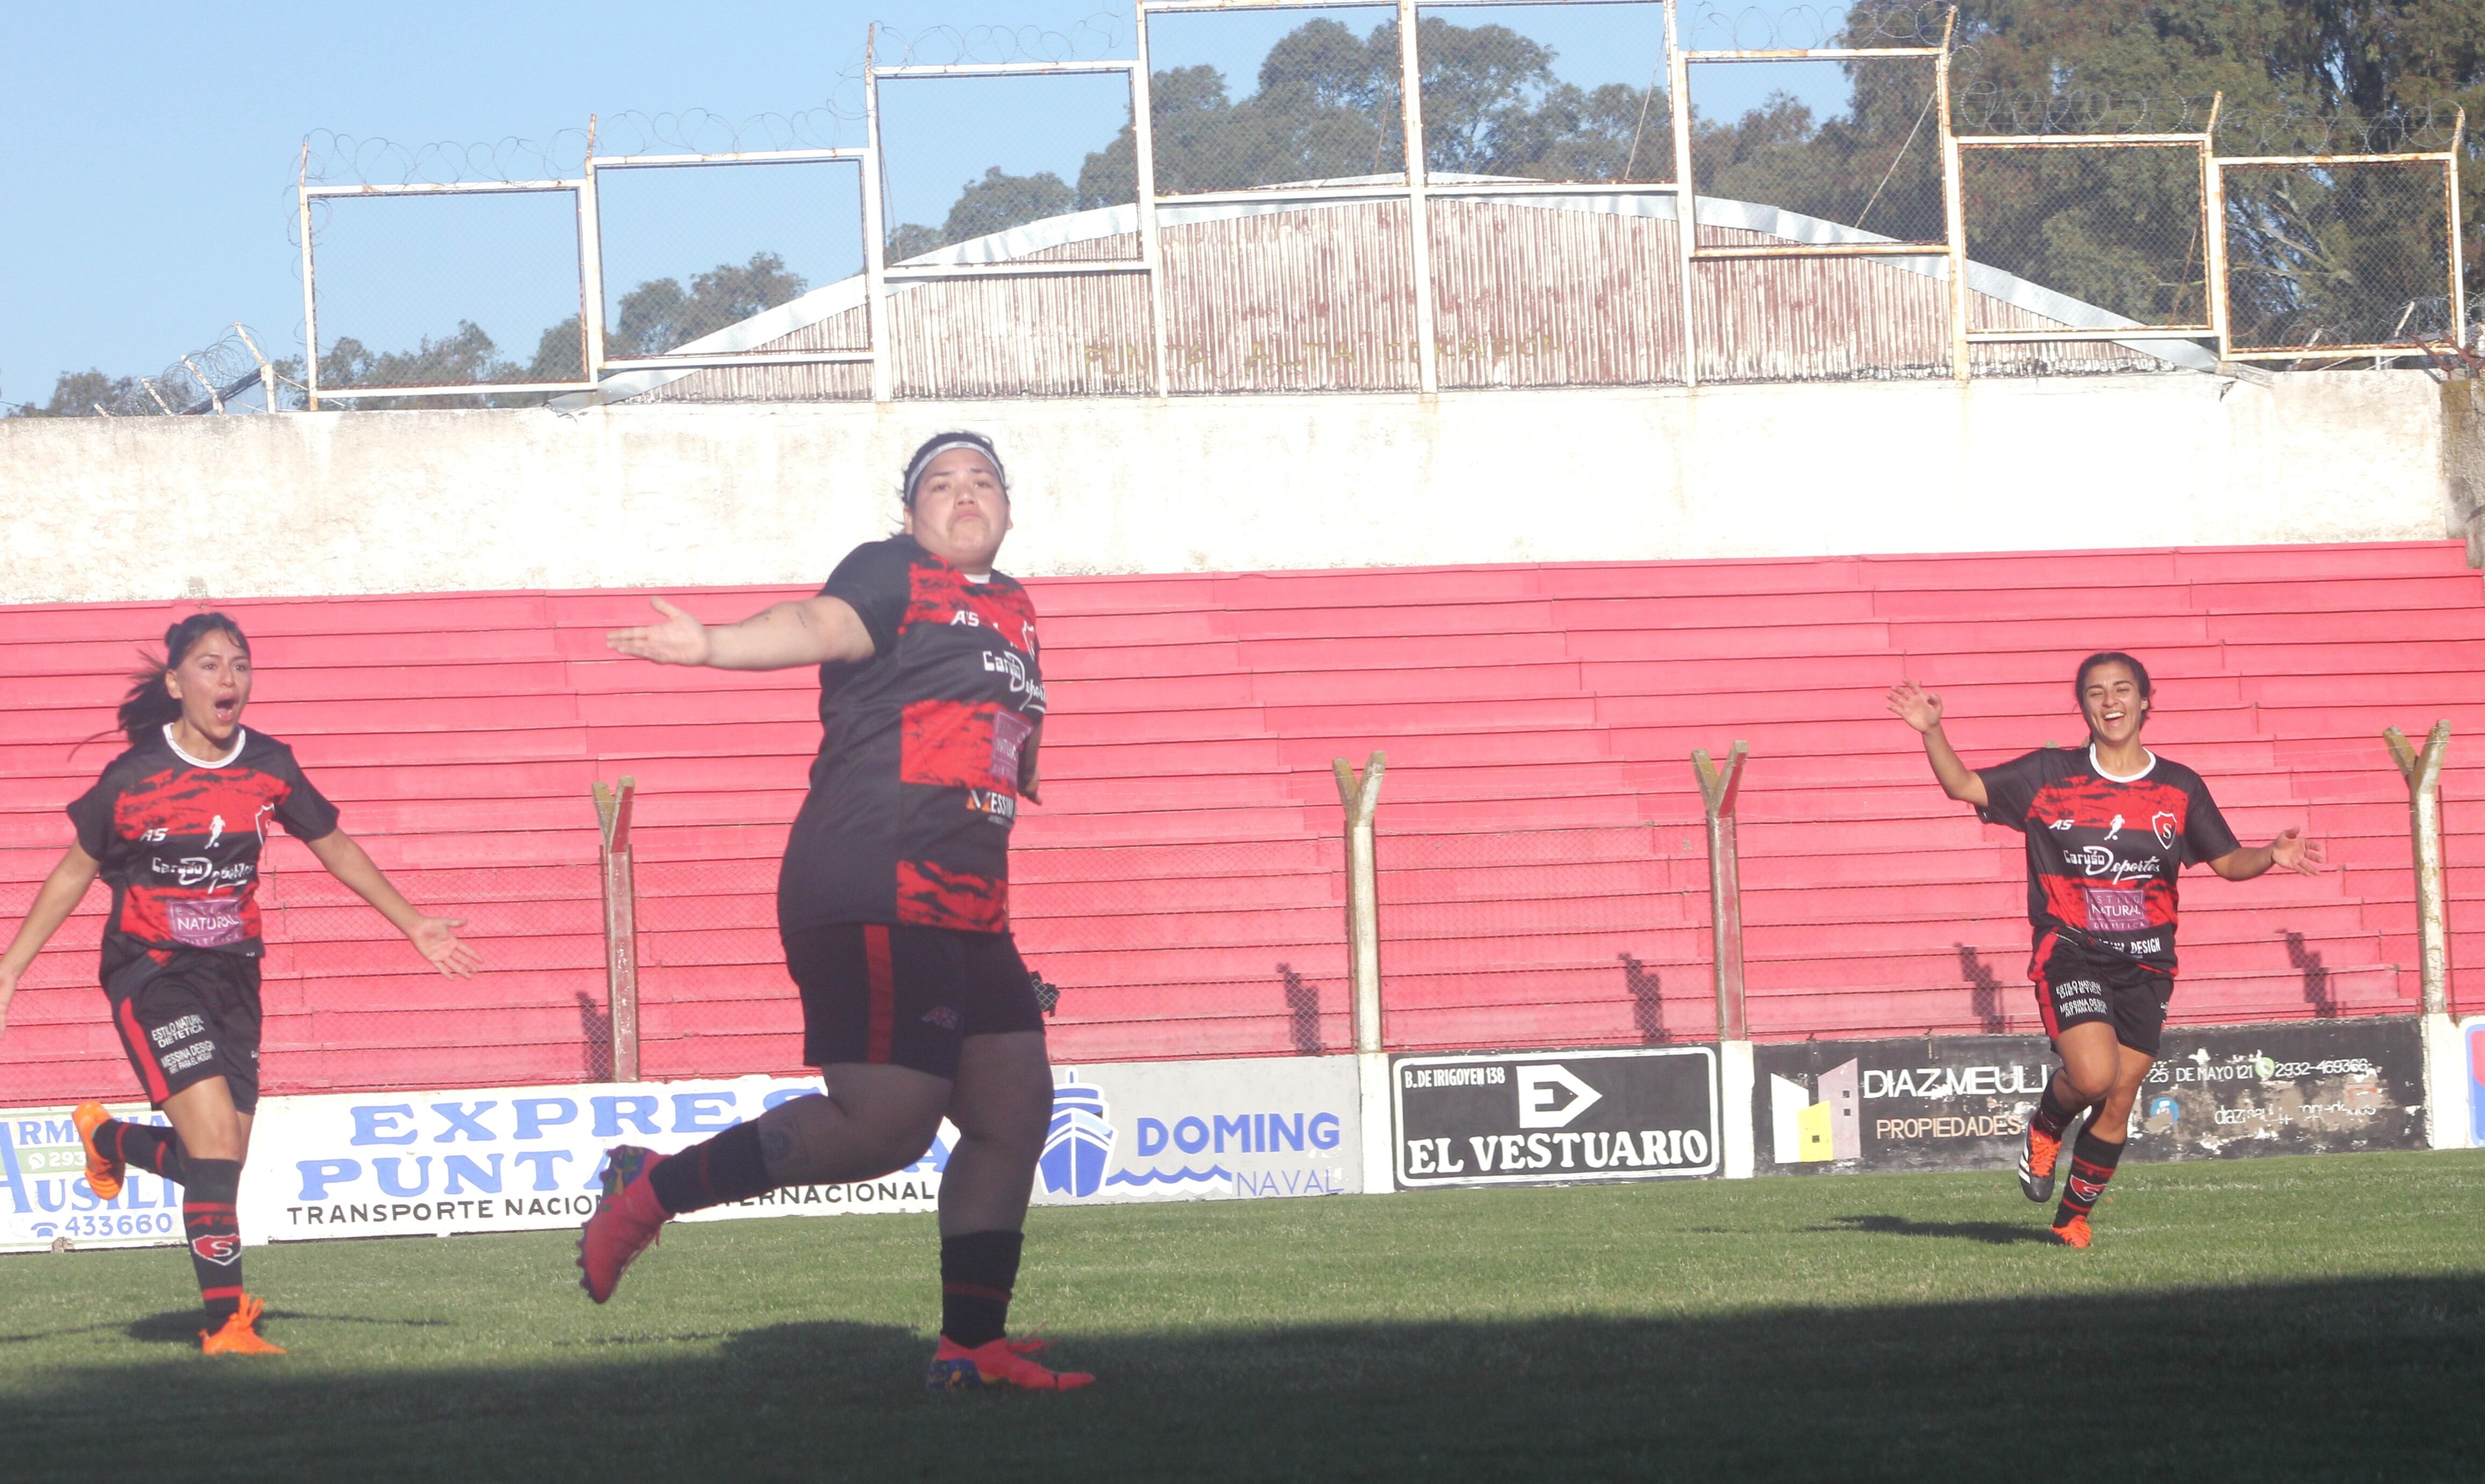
140,1053
2044,987
883,990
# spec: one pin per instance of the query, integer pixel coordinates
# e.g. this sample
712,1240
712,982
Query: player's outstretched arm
815,631
57,898
1921,710
434,937
2289,852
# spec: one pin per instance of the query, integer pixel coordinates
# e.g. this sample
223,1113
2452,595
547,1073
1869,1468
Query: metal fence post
2445,1074
620,926
1719,791
1362,796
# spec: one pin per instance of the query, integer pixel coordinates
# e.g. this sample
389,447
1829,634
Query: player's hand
680,639
1916,706
2291,852
436,939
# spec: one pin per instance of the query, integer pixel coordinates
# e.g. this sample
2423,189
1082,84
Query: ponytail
149,706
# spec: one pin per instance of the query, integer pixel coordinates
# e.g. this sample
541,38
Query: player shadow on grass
182,1326
1995,1233
2327,1377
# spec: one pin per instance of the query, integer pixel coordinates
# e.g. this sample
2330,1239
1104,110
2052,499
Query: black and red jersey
917,784
179,839
2103,852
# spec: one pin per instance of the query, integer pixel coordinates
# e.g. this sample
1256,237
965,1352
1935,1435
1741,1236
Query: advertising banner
44,1198
1961,1102
1201,1130
1543,1118
2472,1036
2308,1086
519,1159
1936,1102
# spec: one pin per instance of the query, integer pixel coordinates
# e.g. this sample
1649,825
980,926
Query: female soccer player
174,826
2108,826
894,904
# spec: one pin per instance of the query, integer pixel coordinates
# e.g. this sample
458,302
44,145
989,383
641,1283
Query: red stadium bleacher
1544,868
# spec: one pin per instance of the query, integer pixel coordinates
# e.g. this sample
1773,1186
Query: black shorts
189,1019
905,995
2077,984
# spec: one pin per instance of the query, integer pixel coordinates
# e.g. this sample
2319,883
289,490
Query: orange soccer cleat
102,1174
2074,1232
995,1365
627,1218
2036,1160
240,1334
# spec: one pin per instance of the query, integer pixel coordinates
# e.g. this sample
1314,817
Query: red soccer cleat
995,1365
2074,1232
627,1218
102,1176
239,1334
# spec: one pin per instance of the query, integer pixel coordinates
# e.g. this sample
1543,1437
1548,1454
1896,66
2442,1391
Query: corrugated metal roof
1282,296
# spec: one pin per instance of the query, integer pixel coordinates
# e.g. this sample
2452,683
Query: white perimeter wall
156,508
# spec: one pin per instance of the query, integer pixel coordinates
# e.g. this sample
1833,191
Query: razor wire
1710,26
332,157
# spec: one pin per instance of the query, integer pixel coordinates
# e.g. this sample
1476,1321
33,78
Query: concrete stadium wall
407,501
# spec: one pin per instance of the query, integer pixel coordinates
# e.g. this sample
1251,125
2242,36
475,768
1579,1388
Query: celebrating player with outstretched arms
2109,826
175,825
893,907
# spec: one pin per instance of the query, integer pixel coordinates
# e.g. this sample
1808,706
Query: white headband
923,465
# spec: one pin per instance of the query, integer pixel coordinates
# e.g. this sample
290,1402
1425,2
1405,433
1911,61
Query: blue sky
149,193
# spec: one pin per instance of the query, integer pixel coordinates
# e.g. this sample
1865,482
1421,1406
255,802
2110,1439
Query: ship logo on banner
1805,1130
1079,1142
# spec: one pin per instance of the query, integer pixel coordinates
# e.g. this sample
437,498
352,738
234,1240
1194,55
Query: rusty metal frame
2212,256
2448,159
1413,189
306,193
1681,61
591,234
878,272
1938,56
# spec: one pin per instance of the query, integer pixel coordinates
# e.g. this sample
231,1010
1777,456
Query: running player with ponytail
174,826
2109,826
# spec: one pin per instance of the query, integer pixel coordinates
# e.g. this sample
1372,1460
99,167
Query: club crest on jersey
222,1248
2165,827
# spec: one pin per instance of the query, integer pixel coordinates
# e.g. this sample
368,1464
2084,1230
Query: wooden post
1362,796
2422,772
1718,789
620,926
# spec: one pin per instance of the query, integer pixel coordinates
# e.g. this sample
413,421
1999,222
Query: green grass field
2267,1319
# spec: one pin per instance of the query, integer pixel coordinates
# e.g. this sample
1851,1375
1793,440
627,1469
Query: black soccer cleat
2037,1157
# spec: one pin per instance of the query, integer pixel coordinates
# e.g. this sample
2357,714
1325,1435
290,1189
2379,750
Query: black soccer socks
2052,1117
215,1234
145,1147
716,1171
2093,1162
977,1272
